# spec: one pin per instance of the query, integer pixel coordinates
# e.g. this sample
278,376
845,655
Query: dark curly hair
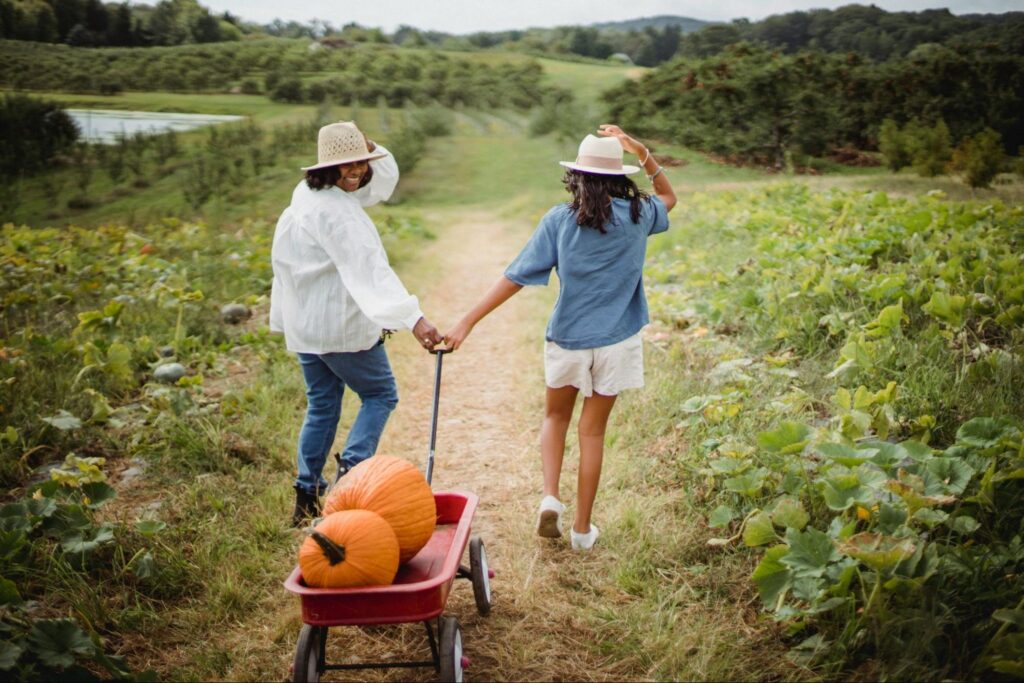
592,194
322,178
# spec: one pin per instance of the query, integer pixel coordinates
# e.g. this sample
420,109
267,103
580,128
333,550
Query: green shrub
979,158
893,144
434,121
317,92
32,133
407,146
288,90
931,148
251,86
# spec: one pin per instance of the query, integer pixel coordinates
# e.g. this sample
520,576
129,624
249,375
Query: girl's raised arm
662,187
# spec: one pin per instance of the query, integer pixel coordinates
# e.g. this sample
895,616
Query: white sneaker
549,518
584,541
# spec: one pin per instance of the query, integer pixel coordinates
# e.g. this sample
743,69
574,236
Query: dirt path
487,443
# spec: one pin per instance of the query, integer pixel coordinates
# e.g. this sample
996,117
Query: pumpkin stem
335,553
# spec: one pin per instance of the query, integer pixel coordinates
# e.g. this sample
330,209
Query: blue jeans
368,373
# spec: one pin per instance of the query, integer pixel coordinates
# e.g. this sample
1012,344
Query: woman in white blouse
333,295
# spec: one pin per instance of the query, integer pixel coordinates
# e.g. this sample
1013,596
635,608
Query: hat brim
627,169
338,162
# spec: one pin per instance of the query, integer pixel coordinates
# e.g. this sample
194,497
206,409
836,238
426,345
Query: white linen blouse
333,288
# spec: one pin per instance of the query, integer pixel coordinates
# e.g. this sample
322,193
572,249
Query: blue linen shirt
601,295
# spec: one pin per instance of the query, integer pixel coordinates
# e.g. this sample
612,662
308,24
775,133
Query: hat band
606,163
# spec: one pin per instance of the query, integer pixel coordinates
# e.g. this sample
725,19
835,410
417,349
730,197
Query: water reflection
107,125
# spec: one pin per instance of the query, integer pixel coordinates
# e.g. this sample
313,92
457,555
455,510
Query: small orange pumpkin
351,548
396,490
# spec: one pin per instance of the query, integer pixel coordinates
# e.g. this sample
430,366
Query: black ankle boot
342,468
307,506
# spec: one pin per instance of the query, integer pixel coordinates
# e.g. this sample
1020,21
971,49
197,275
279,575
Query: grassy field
656,602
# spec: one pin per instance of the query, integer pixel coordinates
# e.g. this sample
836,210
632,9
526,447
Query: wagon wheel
309,654
479,573
451,650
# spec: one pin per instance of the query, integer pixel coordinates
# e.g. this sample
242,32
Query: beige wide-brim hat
600,155
341,143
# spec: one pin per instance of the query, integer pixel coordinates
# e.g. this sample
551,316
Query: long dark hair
323,178
592,194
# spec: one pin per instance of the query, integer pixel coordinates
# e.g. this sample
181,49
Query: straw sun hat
341,143
600,155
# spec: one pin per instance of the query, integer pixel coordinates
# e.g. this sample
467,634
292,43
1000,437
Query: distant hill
686,24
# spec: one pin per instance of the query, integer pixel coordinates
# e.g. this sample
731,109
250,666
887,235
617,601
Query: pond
107,125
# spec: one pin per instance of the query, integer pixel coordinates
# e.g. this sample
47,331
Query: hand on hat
629,144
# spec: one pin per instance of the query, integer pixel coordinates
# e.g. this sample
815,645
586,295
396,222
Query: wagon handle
433,417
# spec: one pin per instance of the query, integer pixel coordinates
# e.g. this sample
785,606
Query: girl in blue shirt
596,243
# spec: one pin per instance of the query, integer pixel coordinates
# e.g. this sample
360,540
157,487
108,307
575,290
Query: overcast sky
466,16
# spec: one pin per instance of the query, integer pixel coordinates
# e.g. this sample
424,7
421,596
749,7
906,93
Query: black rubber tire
479,575
307,665
451,650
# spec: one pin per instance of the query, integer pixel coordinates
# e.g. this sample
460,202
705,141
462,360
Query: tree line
754,104
91,23
868,31
286,70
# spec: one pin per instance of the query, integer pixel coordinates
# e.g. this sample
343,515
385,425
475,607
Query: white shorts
606,370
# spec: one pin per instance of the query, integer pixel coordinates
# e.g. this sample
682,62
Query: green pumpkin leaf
839,531
888,322
9,654
759,530
748,484
789,513
846,455
772,577
11,543
947,308
40,507
721,516
96,493
917,450
9,594
890,518
983,432
931,518
725,465
946,476
841,492
809,553
56,642
695,404
788,438
63,420
880,553
963,524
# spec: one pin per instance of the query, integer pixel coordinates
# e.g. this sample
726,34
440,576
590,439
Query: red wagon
419,592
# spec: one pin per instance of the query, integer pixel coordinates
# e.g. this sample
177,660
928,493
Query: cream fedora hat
600,155
341,143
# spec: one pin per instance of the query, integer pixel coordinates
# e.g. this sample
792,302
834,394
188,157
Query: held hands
630,144
456,335
426,334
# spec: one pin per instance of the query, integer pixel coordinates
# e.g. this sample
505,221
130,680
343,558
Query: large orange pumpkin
351,548
397,491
